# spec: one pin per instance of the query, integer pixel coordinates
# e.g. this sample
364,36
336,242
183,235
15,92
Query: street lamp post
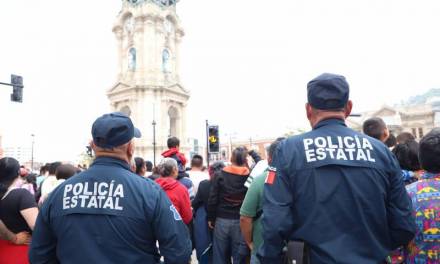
154,142
154,135
32,152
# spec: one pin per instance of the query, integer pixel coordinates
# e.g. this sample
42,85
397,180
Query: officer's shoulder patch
176,214
271,176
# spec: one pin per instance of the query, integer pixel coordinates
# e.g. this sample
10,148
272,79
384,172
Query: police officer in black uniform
338,191
108,214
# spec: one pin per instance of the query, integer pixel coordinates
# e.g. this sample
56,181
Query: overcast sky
245,62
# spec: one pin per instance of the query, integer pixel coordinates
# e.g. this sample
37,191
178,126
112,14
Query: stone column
119,35
160,46
150,49
183,124
138,40
178,41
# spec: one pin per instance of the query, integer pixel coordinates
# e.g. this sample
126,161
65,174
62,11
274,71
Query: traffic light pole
207,143
154,142
154,135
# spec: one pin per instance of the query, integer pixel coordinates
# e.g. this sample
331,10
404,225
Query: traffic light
213,139
89,151
17,85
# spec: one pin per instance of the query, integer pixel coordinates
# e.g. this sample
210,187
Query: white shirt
49,184
196,177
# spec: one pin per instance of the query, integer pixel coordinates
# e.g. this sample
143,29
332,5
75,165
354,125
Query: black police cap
328,92
113,130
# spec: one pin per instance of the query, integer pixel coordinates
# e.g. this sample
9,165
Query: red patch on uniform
271,176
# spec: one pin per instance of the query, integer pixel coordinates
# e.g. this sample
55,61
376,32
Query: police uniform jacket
107,214
340,192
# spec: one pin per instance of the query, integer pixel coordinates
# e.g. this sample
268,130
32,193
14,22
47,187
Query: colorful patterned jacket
425,196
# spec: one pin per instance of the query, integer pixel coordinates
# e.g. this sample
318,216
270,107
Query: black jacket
202,195
227,193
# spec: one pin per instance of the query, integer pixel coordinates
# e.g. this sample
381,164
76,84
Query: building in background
418,115
22,154
148,87
258,144
195,147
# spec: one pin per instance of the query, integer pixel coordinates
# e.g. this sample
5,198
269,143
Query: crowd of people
331,195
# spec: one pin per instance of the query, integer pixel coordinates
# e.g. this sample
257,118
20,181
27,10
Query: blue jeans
254,259
228,242
206,259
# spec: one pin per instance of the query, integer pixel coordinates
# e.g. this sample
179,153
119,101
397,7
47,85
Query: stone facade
22,154
148,88
260,145
417,117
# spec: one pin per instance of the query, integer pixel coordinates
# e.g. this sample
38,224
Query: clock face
129,24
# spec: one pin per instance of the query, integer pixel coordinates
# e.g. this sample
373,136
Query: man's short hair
374,127
408,155
139,164
173,142
197,161
391,141
273,147
404,137
429,152
44,168
149,165
53,167
65,171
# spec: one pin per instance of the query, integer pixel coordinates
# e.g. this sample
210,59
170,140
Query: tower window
132,59
166,55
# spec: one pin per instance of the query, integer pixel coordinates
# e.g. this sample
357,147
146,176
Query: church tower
148,88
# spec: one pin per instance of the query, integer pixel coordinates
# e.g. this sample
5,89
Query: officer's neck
115,155
314,120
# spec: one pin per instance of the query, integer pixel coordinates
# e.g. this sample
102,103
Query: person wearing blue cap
335,190
108,214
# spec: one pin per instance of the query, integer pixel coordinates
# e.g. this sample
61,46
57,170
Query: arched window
126,110
132,59
166,55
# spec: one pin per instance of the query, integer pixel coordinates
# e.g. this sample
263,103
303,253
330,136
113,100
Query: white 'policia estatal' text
93,195
338,148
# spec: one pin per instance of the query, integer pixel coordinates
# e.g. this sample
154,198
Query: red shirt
178,195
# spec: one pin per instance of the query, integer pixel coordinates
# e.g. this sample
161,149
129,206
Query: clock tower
148,35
